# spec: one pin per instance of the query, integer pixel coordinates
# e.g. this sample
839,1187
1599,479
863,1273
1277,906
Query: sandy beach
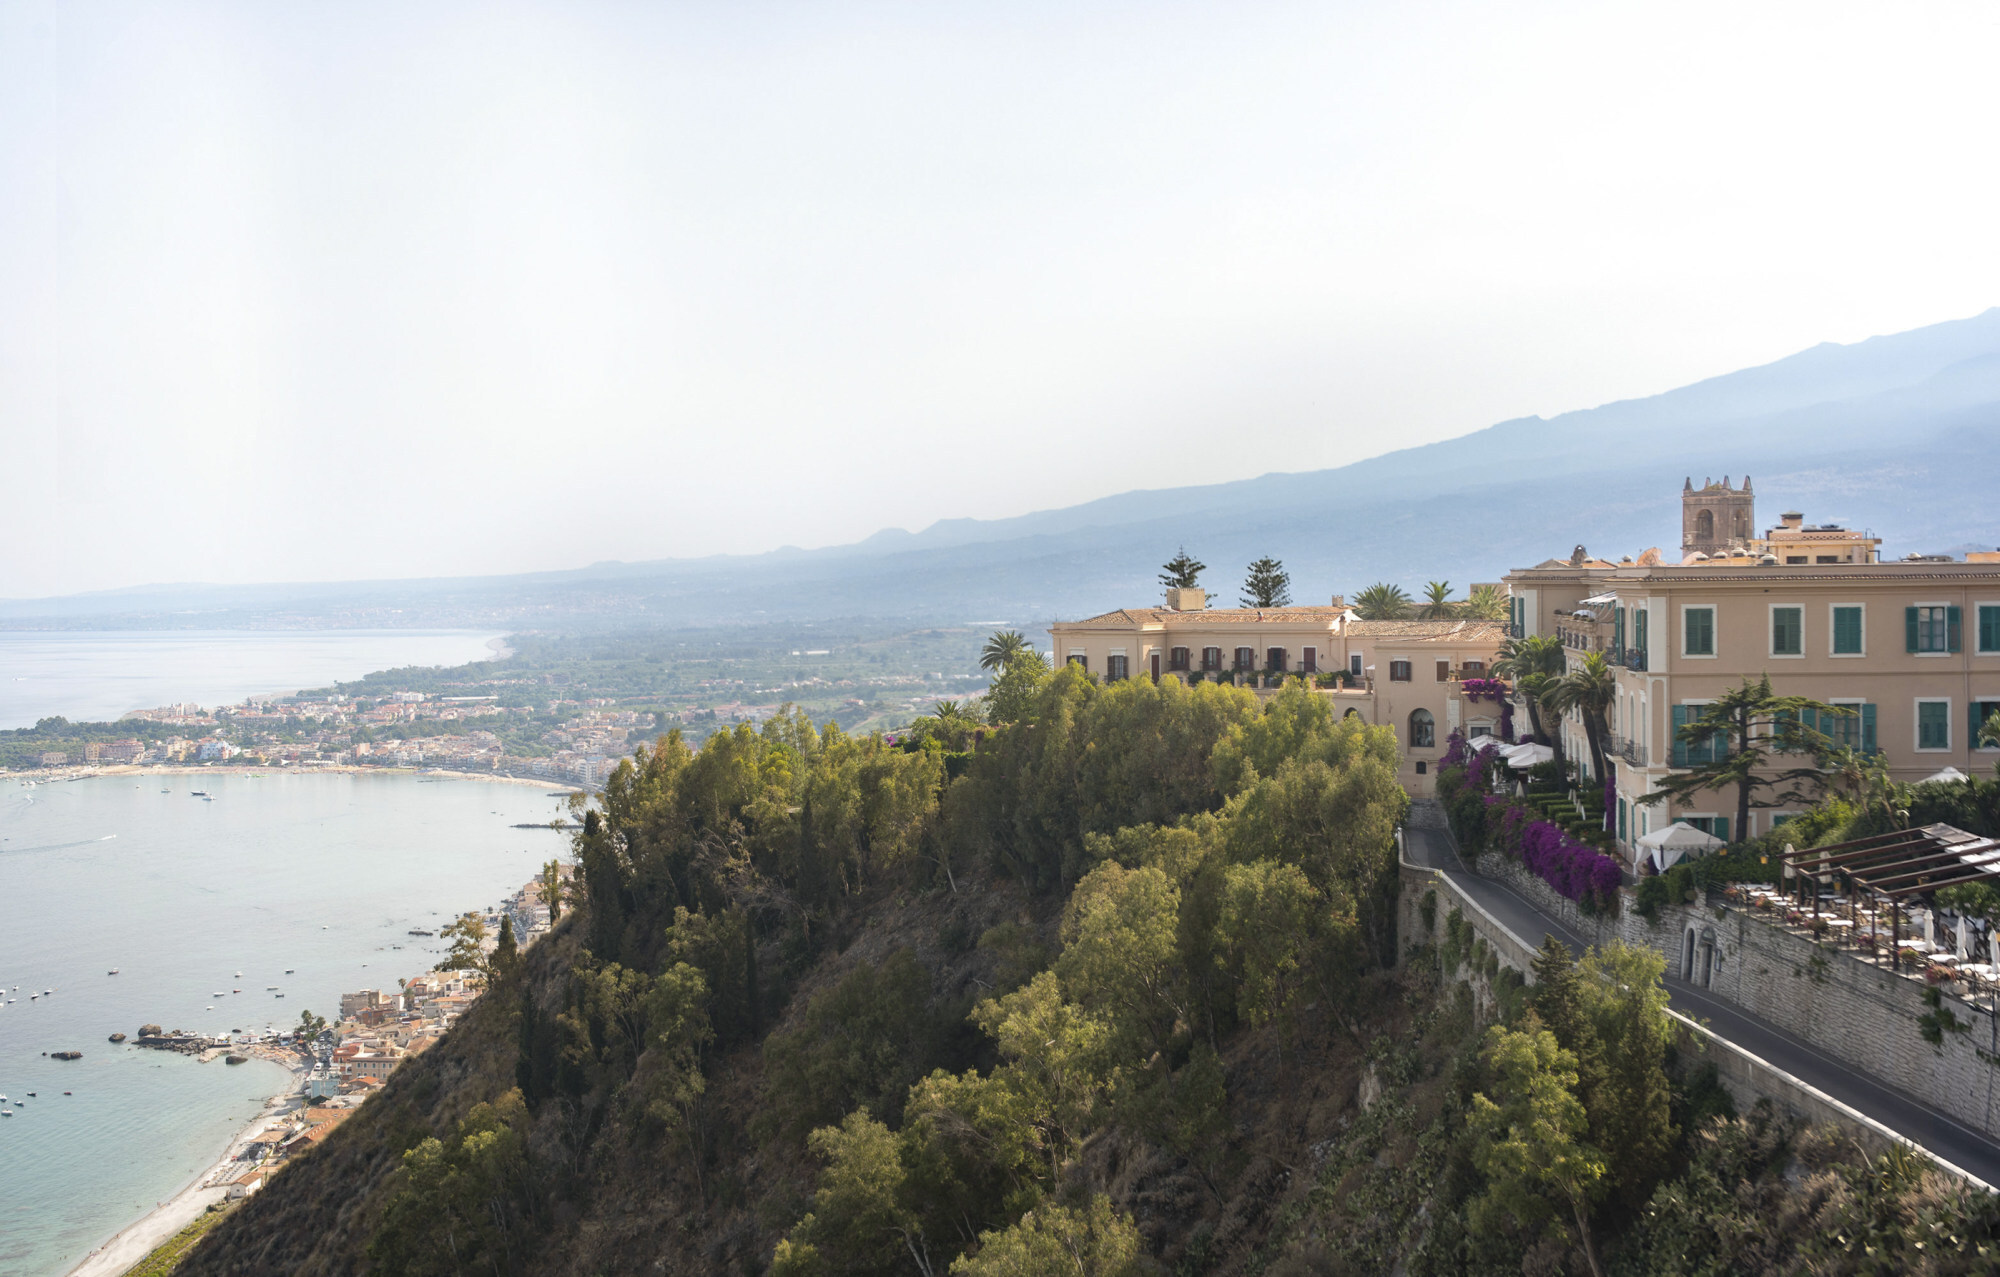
138,1239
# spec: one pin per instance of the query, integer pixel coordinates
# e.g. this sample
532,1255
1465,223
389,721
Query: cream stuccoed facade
1405,675
1912,646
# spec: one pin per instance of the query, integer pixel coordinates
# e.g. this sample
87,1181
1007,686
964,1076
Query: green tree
1056,1056
456,1205
468,944
1437,601
552,890
1095,1242
1486,603
1012,696
1739,731
1270,914
1589,689
1533,663
1267,585
1003,649
1182,572
310,1025
856,1043
504,964
1382,602
859,1222
1628,1095
1119,954
1531,1138
678,1033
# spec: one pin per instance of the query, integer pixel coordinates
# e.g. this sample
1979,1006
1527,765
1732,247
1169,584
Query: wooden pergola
1894,866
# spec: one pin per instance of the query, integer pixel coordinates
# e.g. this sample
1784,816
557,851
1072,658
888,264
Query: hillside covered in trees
1108,984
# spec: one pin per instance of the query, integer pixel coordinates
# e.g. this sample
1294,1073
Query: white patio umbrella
1525,756
1667,846
1949,773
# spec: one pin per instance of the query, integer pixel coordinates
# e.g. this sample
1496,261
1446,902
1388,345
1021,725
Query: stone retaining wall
1853,1009
1747,1077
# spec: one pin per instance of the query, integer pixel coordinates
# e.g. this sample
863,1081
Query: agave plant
1382,602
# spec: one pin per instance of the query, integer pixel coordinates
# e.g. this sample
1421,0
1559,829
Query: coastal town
341,1062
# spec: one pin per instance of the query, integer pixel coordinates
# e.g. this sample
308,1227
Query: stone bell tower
1715,516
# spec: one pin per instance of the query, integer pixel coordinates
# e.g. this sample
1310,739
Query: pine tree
1268,584
1182,572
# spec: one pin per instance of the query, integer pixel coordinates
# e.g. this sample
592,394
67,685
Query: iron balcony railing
1516,631
1632,751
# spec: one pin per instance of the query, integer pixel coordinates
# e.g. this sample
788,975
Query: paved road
1942,1135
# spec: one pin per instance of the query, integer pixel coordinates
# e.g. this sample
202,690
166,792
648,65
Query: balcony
1632,751
1517,631
1631,658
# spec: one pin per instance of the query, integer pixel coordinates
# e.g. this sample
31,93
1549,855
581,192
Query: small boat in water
112,971
197,793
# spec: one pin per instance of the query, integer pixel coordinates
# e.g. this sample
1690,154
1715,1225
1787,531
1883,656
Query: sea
297,885
92,676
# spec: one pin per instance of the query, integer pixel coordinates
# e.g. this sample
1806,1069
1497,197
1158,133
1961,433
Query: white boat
112,971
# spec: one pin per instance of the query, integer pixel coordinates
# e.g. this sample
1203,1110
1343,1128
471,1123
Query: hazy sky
307,291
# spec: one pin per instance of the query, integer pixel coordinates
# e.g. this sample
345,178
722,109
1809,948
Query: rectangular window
1794,558
1623,828
1698,636
1928,628
1354,664
1274,659
1989,627
1114,668
1246,658
1177,659
1849,731
1788,631
1211,658
1717,826
1399,671
1309,660
1827,558
1847,631
1444,671
1078,658
1709,749
1474,669
1639,629
1933,724
1981,711
1618,627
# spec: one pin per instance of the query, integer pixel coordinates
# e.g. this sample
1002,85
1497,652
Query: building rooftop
1217,616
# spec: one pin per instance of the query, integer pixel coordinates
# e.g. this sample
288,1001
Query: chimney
1187,599
1339,600
1792,519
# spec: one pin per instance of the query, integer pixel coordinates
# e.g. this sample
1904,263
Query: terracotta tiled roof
1218,616
1430,631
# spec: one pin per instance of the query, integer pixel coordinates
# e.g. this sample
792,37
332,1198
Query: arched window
1423,730
1352,713
1274,659
1704,526
1211,658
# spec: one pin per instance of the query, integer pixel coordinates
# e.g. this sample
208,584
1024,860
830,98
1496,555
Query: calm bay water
91,676
322,874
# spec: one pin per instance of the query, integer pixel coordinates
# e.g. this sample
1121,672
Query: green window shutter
1680,749
1909,629
1989,629
1847,630
1868,729
1618,627
1933,725
1639,628
1954,629
1787,631
1722,828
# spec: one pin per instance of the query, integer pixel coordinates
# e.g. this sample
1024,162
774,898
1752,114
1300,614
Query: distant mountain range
1898,434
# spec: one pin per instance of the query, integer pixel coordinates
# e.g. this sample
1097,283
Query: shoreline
117,1253
344,769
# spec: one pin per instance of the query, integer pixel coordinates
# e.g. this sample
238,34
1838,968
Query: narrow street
1947,1138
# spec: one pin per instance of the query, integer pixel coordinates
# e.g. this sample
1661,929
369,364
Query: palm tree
1382,602
1533,664
1588,689
1003,649
1486,603
1437,601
